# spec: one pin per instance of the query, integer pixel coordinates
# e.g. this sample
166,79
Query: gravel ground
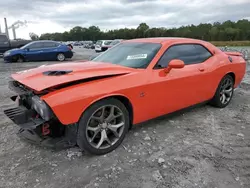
203,147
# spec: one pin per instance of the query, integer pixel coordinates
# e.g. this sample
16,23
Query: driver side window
188,53
36,45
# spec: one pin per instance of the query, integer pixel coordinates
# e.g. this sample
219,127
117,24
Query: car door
49,51
33,51
180,88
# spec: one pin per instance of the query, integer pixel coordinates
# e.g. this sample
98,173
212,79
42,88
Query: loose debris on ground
204,147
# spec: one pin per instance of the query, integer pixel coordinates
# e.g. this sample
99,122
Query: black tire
216,100
82,140
60,57
18,59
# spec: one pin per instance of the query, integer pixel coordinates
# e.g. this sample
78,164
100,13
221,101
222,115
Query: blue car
43,50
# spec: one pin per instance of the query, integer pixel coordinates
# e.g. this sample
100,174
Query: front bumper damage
37,131
34,129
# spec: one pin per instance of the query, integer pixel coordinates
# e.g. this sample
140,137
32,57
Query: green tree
217,31
33,36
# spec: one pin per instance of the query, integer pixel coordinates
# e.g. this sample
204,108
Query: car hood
48,76
13,50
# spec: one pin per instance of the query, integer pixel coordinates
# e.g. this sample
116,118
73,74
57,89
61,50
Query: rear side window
3,38
204,54
188,53
50,44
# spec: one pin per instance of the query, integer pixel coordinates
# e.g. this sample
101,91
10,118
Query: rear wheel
60,57
103,127
224,92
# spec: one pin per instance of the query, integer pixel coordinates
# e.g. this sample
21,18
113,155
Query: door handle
201,69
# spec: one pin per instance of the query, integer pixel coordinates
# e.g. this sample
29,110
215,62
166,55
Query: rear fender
237,66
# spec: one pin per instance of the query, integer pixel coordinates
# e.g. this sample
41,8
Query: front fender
67,109
18,52
69,103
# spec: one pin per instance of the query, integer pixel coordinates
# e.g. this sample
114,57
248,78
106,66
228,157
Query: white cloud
61,15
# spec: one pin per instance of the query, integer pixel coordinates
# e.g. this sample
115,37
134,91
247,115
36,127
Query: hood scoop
51,76
57,72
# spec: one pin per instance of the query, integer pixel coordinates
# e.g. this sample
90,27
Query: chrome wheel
105,127
60,57
226,91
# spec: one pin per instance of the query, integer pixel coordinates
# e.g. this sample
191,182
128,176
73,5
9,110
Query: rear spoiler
234,53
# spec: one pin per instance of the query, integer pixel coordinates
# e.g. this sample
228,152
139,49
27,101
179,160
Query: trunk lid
234,53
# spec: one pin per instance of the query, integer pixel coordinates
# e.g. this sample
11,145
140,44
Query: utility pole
16,25
6,28
14,32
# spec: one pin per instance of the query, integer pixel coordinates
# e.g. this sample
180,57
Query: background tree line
226,31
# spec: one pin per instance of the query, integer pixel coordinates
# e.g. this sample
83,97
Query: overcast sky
61,15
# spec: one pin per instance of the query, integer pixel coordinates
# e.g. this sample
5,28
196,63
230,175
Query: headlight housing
6,53
41,108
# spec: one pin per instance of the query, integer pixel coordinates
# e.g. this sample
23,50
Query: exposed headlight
41,108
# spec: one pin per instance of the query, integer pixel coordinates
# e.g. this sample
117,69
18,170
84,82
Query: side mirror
174,64
27,49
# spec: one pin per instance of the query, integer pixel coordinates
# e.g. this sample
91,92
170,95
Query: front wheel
18,59
224,92
60,57
103,127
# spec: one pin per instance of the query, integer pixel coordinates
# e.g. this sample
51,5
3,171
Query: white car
102,45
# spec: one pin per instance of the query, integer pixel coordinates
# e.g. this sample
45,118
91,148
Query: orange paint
165,90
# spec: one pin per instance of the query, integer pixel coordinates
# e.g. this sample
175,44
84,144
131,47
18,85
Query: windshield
99,42
107,42
3,38
134,55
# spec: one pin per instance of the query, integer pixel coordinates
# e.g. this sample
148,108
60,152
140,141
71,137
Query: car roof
163,40
103,41
45,41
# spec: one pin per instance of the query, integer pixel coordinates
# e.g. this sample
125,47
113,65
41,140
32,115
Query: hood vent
57,72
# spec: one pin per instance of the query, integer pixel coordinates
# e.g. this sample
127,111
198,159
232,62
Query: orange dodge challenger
93,104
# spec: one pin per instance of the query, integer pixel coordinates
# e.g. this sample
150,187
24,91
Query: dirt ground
204,147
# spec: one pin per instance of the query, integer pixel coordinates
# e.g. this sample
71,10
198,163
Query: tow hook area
45,129
47,135
36,130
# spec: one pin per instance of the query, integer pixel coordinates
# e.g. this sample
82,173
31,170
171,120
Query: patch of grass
231,43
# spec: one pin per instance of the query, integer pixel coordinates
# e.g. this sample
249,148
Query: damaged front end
37,122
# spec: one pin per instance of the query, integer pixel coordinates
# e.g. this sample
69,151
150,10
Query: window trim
51,46
155,66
